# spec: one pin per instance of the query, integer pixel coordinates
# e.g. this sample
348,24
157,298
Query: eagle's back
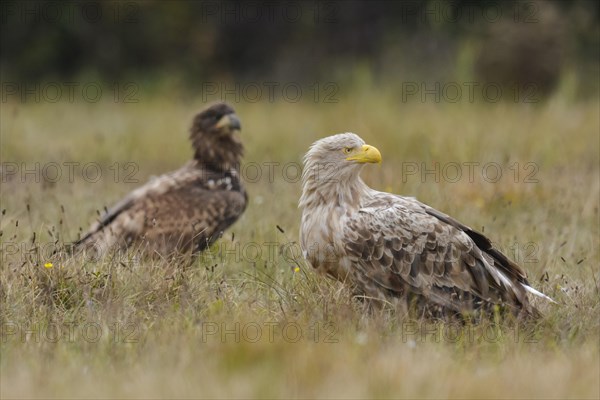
395,247
182,211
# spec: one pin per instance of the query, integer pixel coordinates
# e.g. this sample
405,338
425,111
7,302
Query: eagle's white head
332,166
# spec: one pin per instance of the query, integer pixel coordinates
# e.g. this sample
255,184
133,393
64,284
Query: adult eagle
186,210
394,248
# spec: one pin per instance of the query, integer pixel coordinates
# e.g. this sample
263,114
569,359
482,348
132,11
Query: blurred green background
383,43
386,70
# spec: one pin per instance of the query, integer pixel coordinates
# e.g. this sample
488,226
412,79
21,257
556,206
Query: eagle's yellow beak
230,121
366,154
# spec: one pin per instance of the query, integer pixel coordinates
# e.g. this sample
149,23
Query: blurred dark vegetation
198,41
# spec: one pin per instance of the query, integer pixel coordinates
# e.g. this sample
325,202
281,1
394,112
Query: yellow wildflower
48,265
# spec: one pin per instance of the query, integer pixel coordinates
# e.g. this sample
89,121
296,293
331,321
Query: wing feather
405,246
185,210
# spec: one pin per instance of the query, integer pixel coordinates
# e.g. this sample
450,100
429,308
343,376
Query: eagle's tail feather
538,293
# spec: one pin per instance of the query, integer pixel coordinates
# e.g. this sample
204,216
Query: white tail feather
538,293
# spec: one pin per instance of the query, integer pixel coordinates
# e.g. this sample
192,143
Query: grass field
250,319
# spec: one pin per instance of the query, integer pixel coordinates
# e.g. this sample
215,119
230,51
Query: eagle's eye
347,150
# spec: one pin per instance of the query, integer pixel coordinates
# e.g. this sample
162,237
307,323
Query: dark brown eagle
186,210
392,248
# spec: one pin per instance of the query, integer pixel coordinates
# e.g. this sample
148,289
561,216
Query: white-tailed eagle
186,210
391,248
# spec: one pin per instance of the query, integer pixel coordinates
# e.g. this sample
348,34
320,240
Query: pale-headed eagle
186,210
392,248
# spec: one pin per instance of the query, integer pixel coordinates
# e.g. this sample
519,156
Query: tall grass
249,318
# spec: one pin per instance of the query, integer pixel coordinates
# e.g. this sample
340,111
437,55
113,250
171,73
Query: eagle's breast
321,240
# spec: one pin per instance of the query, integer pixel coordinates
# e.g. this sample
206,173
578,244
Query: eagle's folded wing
402,247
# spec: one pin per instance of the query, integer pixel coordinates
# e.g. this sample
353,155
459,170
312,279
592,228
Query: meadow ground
249,318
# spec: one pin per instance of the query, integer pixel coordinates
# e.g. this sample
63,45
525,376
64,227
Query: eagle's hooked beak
229,121
366,154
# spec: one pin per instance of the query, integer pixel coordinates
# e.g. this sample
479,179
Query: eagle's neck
325,203
346,191
224,155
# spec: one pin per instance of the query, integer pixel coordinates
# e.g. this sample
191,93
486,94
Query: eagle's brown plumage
394,248
188,209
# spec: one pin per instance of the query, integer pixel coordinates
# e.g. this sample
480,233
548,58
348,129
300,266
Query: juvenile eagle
392,248
186,210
